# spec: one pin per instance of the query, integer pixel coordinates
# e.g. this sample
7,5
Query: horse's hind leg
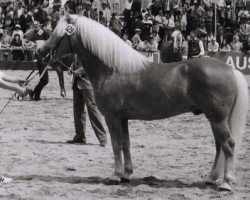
222,133
215,172
128,167
114,124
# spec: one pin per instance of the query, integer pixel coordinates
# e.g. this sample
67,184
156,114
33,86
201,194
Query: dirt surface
171,157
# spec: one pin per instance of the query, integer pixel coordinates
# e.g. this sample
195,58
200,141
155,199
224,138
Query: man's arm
202,52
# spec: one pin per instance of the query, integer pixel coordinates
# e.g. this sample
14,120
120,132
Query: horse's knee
228,147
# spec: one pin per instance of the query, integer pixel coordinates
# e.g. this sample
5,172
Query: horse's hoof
225,187
210,181
125,180
113,182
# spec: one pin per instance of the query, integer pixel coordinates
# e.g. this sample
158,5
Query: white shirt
128,5
213,47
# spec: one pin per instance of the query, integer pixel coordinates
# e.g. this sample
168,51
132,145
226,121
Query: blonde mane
108,47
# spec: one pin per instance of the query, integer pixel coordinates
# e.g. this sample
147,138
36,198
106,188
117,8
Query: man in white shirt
213,46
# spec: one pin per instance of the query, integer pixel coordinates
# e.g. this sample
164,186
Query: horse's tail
238,116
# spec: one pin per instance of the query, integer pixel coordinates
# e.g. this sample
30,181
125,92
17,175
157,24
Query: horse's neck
96,70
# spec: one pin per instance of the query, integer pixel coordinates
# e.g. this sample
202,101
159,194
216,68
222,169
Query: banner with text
240,61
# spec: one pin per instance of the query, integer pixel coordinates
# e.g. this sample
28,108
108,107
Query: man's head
192,35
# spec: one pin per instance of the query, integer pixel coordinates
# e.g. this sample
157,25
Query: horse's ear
69,19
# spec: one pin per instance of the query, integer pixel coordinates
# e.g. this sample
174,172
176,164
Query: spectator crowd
23,22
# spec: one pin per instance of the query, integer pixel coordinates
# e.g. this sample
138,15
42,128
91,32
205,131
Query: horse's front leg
128,167
114,124
59,72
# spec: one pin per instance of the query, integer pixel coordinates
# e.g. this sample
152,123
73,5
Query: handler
36,34
6,83
83,94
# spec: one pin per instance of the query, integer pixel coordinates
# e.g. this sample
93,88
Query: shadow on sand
150,181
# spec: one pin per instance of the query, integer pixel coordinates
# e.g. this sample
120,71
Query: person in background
246,46
17,31
25,21
146,28
125,39
17,44
236,45
195,47
225,47
213,46
136,39
6,39
115,24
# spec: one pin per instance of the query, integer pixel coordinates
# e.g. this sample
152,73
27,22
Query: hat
87,3
36,23
213,38
17,26
137,30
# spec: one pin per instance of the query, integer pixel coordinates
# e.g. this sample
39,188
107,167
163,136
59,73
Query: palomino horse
129,87
171,51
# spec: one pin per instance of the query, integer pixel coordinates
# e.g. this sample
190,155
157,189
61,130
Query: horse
171,51
129,87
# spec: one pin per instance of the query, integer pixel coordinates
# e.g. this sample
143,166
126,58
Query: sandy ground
171,157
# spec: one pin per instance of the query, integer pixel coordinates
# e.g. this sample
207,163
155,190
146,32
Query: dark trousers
80,99
43,80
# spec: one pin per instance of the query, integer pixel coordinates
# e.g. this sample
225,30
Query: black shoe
36,98
76,142
31,95
103,143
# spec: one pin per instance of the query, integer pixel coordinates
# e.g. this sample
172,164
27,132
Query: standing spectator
197,13
40,15
146,28
160,19
213,46
169,25
127,14
25,21
106,12
88,12
19,10
195,47
244,31
183,9
17,44
225,47
236,45
136,7
155,7
208,19
136,24
9,24
17,31
115,24
136,39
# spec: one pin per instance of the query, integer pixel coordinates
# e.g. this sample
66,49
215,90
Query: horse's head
177,40
61,41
